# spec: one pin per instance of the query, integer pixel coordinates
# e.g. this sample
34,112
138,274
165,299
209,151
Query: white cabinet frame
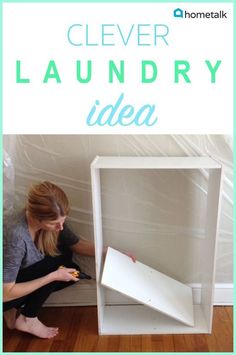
139,319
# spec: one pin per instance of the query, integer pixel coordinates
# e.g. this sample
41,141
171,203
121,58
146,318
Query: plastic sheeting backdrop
159,216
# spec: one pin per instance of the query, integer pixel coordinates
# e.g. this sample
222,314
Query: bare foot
35,327
10,318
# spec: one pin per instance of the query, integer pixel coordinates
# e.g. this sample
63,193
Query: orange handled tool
74,273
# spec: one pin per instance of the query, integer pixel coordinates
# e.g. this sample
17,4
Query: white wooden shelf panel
138,319
148,286
155,163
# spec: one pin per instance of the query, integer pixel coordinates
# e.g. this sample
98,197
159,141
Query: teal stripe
124,353
1,175
118,1
234,150
1,115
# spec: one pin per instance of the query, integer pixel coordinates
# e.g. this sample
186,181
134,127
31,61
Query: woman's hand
130,255
64,274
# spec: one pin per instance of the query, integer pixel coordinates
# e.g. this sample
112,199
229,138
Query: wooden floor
78,333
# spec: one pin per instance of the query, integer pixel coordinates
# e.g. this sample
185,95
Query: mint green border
118,1
1,174
1,130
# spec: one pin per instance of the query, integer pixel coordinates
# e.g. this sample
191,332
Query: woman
36,243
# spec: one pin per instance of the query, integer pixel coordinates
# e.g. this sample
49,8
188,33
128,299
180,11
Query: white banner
117,68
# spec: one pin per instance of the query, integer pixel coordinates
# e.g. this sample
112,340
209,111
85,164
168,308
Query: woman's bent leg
33,302
36,299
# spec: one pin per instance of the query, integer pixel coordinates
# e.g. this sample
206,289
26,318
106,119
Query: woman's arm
14,290
86,247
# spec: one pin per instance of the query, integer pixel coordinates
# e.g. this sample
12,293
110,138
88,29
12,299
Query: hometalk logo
186,14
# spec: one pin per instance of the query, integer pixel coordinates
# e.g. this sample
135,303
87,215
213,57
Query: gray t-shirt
19,250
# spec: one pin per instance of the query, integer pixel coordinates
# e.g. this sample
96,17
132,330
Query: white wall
139,208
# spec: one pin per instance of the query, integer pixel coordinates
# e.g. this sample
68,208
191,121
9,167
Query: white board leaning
148,286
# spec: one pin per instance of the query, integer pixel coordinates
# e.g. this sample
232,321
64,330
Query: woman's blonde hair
47,202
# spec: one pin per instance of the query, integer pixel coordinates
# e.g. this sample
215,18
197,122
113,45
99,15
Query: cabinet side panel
210,243
98,240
